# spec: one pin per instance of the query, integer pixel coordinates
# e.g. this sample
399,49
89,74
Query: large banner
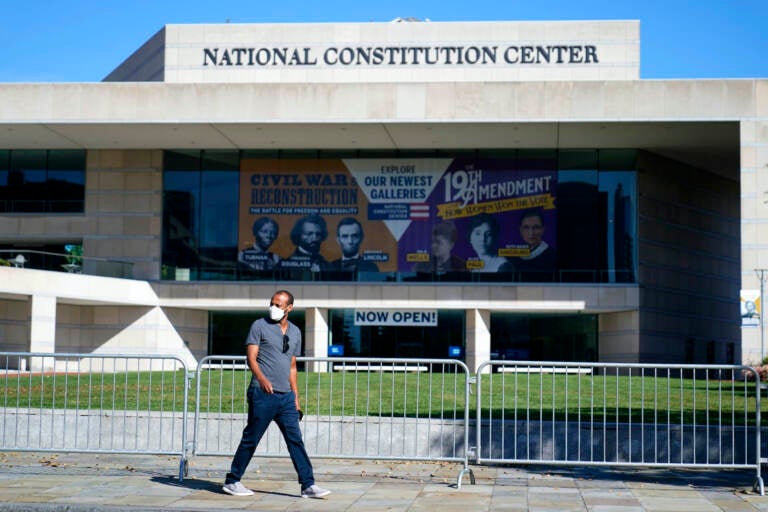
405,215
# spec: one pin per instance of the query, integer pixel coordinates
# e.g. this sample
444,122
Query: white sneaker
237,489
313,491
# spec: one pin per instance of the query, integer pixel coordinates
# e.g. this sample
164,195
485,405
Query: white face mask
275,313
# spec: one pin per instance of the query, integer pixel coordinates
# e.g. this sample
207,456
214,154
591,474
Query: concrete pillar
316,337
42,335
619,337
478,338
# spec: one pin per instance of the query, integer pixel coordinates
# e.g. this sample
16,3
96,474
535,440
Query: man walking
271,350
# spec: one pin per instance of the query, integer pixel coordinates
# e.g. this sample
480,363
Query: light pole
761,276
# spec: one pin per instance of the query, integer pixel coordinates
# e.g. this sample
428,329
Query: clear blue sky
83,40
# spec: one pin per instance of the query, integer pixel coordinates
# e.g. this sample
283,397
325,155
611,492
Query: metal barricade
63,402
577,414
397,409
580,414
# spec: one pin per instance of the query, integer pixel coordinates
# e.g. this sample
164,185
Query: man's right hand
266,386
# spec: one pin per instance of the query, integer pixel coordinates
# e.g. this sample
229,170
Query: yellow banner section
453,211
475,264
417,256
512,252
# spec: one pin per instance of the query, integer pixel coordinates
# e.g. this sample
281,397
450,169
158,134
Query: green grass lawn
437,395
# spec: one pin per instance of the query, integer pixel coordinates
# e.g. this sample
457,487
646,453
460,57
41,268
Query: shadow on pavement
189,483
207,485
699,478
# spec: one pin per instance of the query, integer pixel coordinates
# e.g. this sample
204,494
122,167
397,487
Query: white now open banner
419,317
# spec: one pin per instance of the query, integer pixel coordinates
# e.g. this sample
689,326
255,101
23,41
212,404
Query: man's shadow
207,485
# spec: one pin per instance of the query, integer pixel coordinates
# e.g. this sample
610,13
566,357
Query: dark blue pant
264,408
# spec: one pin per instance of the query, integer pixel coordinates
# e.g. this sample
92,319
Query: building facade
472,190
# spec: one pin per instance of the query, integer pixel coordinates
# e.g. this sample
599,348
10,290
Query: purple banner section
485,216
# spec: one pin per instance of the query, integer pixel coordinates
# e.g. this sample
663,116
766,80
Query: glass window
228,330
418,153
182,160
375,153
617,159
543,337
59,257
5,195
220,160
41,181
581,232
200,197
218,205
299,154
431,342
537,159
577,159
26,180
456,153
181,200
66,181
587,210
336,153
219,185
66,160
618,189
260,153
218,222
596,215
497,153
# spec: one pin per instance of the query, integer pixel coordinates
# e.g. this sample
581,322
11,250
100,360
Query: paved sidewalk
38,482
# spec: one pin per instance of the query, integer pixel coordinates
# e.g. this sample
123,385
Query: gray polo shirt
274,364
